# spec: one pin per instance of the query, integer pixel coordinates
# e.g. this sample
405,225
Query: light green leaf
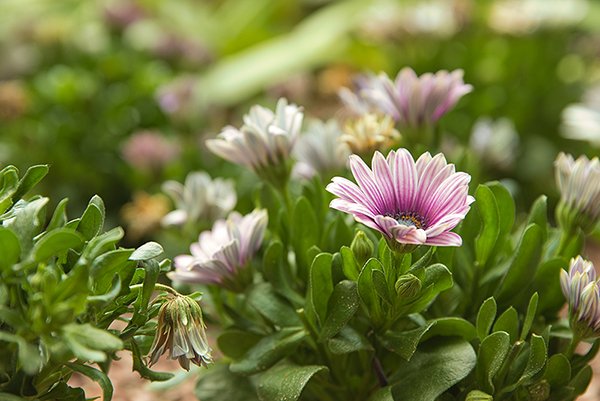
147,251
537,358
56,242
486,317
9,248
263,298
558,371
285,382
349,264
33,175
348,340
450,326
91,221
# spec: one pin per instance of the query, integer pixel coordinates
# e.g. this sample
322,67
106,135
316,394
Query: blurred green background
118,96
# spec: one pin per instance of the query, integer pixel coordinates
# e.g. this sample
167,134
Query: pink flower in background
413,100
149,150
221,256
411,203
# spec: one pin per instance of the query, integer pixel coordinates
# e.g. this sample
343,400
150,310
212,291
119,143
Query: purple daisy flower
221,255
411,100
411,203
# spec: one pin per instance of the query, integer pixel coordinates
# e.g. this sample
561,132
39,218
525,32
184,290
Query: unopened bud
408,286
362,247
477,395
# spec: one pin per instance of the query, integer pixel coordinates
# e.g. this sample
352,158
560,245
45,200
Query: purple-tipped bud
581,289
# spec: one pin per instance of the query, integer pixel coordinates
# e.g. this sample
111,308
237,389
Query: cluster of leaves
334,322
63,283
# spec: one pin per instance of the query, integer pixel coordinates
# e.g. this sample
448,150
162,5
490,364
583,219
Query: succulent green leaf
433,369
492,352
218,383
285,382
9,248
529,316
558,371
268,351
96,375
33,175
320,285
342,306
508,322
263,298
56,242
147,251
404,343
490,229
486,317
235,343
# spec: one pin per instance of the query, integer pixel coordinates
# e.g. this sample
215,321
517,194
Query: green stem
565,239
572,346
157,287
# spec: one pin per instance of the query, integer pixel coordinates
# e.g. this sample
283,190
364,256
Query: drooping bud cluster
181,333
581,288
579,185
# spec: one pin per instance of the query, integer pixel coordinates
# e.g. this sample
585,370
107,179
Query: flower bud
408,286
362,247
582,291
477,395
181,332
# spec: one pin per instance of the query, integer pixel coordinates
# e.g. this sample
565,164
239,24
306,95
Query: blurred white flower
199,199
369,133
495,142
265,141
525,16
319,150
581,121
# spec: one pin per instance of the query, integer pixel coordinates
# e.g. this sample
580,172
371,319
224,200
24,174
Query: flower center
410,219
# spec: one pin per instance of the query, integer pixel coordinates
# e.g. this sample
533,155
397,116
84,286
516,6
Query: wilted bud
579,185
539,391
362,247
181,332
477,395
408,286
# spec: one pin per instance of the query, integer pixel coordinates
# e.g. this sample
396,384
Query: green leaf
342,306
539,214
490,229
366,289
537,358
582,380
558,371
218,383
263,298
492,352
404,343
437,278
276,271
348,340
147,251
383,394
524,264
97,376
104,267
548,287
111,293
508,322
486,317
450,326
235,343
103,243
9,178
529,316
506,207
26,222
268,351
59,217
320,285
140,366
305,230
92,220
56,242
151,272
9,248
285,382
349,264
381,286
86,341
433,369
33,175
